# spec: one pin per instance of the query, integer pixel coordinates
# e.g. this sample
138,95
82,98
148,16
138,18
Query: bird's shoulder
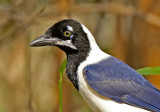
116,80
113,68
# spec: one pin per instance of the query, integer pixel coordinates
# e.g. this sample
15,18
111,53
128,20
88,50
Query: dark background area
126,29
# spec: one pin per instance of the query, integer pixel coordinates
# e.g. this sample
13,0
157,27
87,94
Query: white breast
97,102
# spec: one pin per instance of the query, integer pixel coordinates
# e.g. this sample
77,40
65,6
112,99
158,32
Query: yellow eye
67,33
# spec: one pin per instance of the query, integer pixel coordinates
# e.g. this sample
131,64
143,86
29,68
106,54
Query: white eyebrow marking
69,28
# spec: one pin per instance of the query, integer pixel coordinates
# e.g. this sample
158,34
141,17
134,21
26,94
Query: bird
106,83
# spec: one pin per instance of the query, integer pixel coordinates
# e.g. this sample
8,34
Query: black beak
44,41
47,40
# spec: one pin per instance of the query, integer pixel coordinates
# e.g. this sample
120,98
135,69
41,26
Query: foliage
149,71
61,71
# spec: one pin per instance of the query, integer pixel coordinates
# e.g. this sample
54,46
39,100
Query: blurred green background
126,29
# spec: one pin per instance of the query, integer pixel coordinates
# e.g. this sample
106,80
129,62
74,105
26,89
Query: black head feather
78,38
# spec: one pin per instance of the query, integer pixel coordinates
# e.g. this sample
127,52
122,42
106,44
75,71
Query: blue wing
114,79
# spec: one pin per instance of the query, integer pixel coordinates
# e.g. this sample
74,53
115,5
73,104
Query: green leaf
61,71
63,67
149,71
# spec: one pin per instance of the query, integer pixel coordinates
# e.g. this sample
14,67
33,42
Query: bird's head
69,35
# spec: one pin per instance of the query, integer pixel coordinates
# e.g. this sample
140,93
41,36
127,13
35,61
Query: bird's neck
73,61
76,58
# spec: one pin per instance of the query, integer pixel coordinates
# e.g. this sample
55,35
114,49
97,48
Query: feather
115,80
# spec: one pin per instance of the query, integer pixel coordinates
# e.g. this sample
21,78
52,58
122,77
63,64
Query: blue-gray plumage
114,79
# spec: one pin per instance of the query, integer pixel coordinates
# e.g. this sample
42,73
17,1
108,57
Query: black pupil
67,33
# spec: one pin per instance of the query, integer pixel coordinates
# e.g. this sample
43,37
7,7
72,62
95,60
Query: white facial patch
69,28
67,43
